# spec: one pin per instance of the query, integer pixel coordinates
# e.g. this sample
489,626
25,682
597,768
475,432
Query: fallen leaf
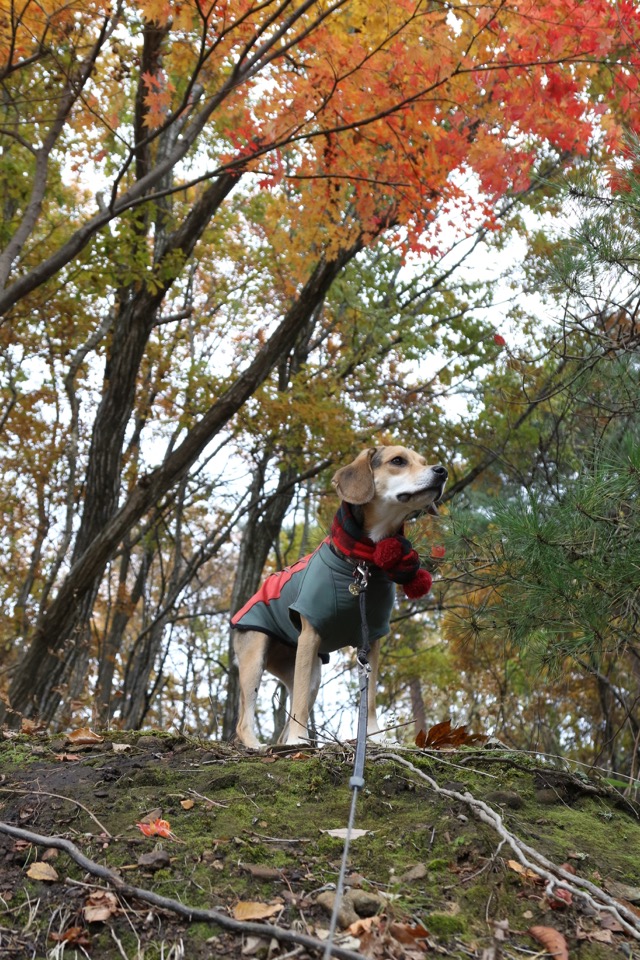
77,936
83,735
552,941
560,899
153,815
341,833
187,804
364,925
30,726
100,906
408,933
42,871
67,757
595,936
444,735
157,828
255,910
254,945
120,747
525,872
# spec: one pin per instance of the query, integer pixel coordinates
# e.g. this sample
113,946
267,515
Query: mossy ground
236,817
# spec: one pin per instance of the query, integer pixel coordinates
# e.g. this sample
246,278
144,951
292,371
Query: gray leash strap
357,778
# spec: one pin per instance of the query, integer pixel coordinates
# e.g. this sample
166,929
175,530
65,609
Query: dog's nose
441,472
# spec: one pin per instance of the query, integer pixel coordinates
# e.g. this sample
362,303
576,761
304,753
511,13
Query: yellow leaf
254,910
42,871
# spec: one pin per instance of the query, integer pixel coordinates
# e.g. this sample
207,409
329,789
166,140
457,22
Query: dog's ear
354,483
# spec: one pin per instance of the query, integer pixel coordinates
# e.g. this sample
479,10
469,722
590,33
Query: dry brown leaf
67,757
187,804
254,910
83,735
30,726
444,735
525,872
76,936
408,933
552,941
42,871
364,925
101,906
595,936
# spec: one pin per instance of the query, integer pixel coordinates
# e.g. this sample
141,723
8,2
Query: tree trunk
417,706
38,682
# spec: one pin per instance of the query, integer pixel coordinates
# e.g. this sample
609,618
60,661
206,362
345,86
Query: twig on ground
166,903
555,876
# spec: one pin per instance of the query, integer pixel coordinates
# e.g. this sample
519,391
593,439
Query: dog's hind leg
306,683
251,653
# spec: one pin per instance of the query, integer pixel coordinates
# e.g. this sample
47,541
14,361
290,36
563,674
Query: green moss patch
253,828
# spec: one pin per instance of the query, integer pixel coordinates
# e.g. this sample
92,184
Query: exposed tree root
166,903
554,875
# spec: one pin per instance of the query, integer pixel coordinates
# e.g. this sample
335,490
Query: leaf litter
244,855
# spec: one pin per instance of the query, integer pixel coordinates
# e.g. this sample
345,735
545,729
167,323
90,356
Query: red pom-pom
419,586
388,553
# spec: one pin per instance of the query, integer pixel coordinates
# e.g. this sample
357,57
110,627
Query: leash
357,589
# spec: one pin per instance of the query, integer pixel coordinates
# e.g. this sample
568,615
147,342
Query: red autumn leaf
499,340
444,735
552,941
76,936
560,899
438,551
157,828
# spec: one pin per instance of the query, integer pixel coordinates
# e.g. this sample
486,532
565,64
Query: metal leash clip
360,579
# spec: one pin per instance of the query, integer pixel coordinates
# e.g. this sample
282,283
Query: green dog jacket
317,588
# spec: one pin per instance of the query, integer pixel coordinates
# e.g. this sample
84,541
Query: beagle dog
308,610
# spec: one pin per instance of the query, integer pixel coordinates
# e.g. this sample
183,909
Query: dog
306,611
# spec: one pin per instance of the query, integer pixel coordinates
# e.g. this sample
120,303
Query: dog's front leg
305,683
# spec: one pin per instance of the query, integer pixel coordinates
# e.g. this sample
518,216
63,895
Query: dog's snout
441,472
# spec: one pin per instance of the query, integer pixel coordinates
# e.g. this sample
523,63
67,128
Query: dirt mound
456,853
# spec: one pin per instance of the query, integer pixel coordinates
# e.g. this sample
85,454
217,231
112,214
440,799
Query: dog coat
317,587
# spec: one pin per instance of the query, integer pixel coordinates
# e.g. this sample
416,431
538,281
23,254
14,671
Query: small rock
150,742
506,798
346,914
414,873
365,903
155,860
622,891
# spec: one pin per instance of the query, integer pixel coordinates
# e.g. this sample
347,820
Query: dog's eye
398,461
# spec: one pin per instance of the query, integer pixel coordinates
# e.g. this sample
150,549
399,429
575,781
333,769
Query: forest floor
474,853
